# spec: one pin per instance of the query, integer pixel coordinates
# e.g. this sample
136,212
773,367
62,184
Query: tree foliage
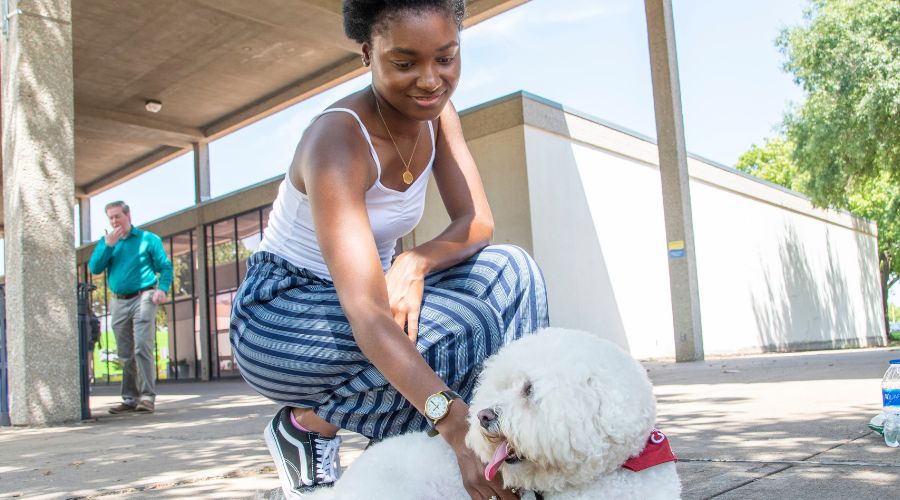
878,199
774,162
846,56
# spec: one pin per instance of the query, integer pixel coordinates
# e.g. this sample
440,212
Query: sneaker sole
283,476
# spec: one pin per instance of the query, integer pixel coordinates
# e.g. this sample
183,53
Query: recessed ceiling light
153,106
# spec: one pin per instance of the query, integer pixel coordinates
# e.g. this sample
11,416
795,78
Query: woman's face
415,62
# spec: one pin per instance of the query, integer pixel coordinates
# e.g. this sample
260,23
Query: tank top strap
433,146
365,132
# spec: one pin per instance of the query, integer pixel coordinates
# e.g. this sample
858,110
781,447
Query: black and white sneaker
304,460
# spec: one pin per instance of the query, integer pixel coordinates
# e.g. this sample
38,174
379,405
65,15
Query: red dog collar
656,452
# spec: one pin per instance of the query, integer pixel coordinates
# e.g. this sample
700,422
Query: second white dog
561,413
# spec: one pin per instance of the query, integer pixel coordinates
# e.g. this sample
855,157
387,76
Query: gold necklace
407,175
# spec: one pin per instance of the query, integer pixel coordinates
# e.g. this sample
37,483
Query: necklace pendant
408,177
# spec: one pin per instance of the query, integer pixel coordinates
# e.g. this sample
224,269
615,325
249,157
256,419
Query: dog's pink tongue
499,456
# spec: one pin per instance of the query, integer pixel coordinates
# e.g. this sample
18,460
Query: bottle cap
895,361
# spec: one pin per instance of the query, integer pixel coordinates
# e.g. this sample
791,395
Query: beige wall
500,158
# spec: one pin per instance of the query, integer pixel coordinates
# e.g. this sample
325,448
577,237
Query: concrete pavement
768,426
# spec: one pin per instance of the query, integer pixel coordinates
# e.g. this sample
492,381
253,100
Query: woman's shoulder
338,123
335,141
336,126
353,101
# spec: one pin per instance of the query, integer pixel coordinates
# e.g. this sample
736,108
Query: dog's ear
627,412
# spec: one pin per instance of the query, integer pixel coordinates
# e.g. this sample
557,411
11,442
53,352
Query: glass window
99,295
197,333
182,266
265,217
225,362
224,256
184,361
210,277
248,237
106,357
164,332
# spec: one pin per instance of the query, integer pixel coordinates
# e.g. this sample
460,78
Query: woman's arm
336,176
471,224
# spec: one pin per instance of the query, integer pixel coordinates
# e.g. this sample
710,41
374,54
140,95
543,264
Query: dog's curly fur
574,407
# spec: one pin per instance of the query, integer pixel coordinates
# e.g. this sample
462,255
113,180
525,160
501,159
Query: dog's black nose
486,416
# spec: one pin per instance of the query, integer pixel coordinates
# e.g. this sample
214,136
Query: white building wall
774,272
598,234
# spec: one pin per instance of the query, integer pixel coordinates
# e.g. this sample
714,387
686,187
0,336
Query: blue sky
589,55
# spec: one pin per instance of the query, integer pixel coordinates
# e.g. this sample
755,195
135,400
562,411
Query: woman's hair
364,17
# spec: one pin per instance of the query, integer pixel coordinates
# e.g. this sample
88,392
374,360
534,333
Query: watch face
436,406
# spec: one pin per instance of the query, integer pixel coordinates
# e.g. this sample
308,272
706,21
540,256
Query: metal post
84,346
4,386
201,289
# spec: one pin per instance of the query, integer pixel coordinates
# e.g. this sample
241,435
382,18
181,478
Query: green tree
876,198
846,56
774,162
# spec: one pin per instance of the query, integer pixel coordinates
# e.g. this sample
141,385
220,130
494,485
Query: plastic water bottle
890,394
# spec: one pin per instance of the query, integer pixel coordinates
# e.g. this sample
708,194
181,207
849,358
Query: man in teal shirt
132,258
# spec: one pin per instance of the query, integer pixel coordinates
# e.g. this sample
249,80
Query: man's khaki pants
134,324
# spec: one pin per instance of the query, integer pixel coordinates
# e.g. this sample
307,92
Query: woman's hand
470,466
405,287
477,486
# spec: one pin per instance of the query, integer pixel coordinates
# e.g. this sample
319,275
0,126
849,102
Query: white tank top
392,215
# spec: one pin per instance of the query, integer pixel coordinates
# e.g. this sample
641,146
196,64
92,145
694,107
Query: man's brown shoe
121,408
145,406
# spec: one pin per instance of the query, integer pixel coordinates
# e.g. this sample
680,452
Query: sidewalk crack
752,480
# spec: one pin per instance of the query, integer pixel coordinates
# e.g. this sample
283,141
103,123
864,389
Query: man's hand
114,237
159,297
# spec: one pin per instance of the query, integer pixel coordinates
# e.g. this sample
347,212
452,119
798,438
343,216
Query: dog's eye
527,389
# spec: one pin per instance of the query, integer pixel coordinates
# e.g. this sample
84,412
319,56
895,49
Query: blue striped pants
293,343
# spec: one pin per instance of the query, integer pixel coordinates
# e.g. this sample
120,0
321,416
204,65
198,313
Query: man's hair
117,204
364,17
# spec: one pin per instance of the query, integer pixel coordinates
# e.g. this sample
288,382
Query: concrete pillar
675,181
201,287
84,217
201,172
38,189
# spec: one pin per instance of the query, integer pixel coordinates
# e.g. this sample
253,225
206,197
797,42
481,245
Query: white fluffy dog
558,413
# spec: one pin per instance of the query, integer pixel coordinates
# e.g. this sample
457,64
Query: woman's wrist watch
437,406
